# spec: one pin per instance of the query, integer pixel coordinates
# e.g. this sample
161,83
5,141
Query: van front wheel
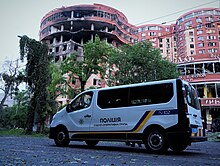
61,137
156,141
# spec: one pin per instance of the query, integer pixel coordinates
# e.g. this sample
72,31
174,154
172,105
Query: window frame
80,103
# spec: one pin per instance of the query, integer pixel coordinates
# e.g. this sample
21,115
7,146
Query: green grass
213,136
19,132
15,132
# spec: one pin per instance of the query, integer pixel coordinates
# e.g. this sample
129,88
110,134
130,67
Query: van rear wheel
61,137
156,141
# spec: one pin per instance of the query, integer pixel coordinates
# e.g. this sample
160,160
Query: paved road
42,151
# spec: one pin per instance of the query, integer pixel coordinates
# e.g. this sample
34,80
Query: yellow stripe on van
144,121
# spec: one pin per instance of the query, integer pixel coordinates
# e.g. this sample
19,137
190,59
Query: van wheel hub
155,141
61,136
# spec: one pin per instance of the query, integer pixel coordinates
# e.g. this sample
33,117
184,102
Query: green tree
38,79
16,115
19,109
55,88
72,69
139,63
94,61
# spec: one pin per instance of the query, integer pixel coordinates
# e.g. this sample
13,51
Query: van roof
136,84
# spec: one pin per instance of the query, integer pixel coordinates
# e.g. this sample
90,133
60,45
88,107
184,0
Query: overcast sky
22,17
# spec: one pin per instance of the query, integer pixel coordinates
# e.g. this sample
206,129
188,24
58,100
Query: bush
13,117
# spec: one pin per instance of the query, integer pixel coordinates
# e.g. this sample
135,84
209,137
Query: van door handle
194,115
87,116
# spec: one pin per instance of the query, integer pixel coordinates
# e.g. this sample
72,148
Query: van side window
134,96
191,97
113,98
151,94
82,101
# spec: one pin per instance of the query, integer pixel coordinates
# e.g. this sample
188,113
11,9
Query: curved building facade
66,29
198,60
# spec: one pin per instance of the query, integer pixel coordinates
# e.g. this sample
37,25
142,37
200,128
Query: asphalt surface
42,151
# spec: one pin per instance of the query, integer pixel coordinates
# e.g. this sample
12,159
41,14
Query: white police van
160,114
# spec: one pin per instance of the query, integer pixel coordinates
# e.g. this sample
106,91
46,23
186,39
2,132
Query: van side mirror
200,102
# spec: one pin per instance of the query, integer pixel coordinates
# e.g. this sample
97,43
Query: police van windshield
192,97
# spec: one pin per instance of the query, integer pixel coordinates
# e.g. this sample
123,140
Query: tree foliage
139,63
38,79
97,53
16,115
55,87
94,61
72,69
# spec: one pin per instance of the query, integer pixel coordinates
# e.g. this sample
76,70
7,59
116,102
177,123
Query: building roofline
94,6
196,10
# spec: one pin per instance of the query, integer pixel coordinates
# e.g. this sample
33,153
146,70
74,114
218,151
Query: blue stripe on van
157,112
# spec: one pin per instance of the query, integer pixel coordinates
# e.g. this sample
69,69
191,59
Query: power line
178,12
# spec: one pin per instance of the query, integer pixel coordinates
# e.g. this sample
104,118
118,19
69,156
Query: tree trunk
4,99
83,83
30,120
40,125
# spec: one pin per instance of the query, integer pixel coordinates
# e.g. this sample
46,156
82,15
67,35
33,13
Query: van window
113,98
191,97
151,94
134,96
82,101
